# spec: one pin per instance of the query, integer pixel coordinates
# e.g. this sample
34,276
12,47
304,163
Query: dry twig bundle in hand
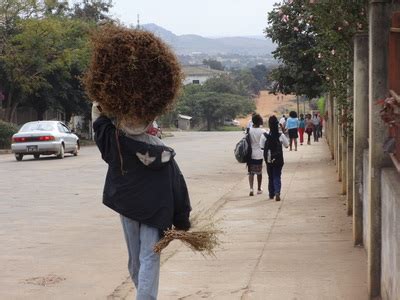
132,73
204,240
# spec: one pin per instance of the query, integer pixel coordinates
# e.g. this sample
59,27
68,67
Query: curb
5,151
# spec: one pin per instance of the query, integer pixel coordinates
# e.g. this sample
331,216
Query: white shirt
283,139
255,136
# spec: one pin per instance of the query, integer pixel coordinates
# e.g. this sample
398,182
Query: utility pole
138,22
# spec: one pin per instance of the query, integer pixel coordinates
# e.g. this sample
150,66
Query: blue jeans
144,263
274,179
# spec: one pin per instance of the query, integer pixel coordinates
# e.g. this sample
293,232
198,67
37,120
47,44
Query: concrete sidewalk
299,248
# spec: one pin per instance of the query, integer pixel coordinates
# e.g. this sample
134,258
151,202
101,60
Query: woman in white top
255,163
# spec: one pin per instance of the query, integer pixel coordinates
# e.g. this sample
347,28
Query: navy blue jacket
154,193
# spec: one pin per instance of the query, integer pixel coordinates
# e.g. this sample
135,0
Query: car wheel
36,156
19,157
60,154
75,153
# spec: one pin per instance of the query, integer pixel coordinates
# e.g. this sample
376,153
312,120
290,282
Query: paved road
57,241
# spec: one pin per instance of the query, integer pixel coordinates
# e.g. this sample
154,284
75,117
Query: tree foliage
44,51
211,103
214,64
315,48
290,29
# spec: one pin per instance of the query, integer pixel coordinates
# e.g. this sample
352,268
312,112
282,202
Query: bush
6,132
321,106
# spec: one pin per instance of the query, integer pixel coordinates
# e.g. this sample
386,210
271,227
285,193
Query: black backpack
243,149
274,147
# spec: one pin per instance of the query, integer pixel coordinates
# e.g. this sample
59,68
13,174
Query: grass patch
84,143
229,128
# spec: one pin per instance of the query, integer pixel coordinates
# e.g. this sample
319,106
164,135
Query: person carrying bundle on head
133,77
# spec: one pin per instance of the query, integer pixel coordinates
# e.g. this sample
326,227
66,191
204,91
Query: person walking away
144,184
255,163
302,128
271,144
282,123
292,125
316,122
309,128
321,125
250,123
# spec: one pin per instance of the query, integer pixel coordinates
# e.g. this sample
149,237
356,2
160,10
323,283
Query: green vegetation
316,49
321,105
229,128
44,51
6,132
223,97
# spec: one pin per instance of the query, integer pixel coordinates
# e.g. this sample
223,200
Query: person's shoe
277,197
251,193
259,192
271,197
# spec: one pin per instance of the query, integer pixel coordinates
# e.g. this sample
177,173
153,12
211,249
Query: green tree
30,57
92,10
214,64
221,84
260,73
290,29
246,83
212,107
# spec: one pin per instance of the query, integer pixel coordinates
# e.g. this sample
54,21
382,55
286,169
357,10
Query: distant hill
190,43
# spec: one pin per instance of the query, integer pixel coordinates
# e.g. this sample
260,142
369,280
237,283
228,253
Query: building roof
184,117
200,70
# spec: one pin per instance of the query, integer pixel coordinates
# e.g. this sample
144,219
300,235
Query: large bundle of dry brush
132,73
203,240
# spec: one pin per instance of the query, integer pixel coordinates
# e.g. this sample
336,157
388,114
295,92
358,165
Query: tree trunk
208,124
7,114
40,114
68,116
13,111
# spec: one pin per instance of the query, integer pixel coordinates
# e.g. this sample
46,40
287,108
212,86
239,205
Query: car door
69,139
63,135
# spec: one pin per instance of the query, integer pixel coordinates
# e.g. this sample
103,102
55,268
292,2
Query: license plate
31,148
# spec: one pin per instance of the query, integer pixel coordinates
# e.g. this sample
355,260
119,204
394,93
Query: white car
230,122
44,138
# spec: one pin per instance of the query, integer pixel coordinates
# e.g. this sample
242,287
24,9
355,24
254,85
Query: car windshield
37,126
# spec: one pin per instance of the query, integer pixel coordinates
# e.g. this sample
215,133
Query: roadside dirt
269,104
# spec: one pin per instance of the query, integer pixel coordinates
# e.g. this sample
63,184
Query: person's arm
104,132
284,140
96,111
263,139
182,205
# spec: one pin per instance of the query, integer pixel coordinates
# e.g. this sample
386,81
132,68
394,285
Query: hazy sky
203,17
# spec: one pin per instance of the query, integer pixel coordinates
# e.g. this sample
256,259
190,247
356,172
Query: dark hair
301,116
293,114
273,124
257,120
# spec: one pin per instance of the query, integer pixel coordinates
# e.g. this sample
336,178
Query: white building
198,74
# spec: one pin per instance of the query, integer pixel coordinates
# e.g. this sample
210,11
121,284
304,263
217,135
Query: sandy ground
57,241
269,104
299,248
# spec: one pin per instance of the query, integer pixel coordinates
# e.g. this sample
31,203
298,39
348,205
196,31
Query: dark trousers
316,133
274,179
